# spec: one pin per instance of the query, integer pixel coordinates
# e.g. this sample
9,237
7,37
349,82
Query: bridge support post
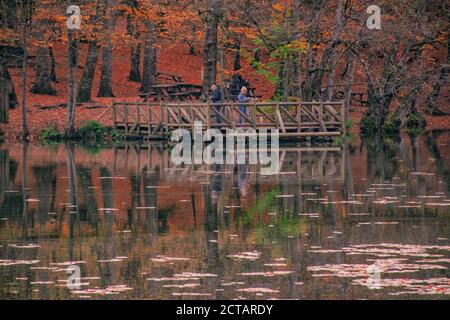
344,128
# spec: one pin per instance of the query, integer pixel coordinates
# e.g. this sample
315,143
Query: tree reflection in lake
141,227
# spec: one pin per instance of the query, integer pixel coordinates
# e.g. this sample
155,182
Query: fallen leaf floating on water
25,246
389,266
266,274
194,294
185,276
413,286
253,255
17,262
164,279
385,201
163,259
257,290
81,284
111,290
159,187
444,204
343,202
388,185
44,268
386,250
67,263
228,284
194,274
422,174
42,282
186,285
440,260
116,259
430,197
275,265
379,223
326,251
310,215
112,178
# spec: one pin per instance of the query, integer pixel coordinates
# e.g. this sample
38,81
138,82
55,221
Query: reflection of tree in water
46,189
211,226
10,202
107,248
382,163
87,207
74,223
441,164
150,202
4,174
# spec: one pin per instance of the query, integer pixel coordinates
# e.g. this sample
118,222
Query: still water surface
368,220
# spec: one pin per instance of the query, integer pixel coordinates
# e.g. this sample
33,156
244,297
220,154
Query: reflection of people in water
242,182
216,182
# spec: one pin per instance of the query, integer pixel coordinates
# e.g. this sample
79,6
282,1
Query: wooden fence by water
155,120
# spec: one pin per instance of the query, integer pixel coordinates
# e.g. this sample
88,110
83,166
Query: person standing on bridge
216,98
243,98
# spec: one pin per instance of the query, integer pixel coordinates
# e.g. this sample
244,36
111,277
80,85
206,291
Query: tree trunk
333,49
70,87
25,131
379,96
135,62
85,88
52,65
349,75
8,13
12,95
149,68
431,101
379,104
407,106
297,90
135,50
442,79
237,56
210,48
42,84
107,53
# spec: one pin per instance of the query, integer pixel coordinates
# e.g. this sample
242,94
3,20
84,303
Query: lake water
368,220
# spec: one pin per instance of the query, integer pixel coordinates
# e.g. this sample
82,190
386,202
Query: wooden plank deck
156,120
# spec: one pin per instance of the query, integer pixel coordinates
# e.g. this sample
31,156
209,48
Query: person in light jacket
243,98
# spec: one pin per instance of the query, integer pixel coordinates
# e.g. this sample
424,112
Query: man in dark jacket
216,98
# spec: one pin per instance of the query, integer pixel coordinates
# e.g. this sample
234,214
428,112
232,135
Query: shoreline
42,117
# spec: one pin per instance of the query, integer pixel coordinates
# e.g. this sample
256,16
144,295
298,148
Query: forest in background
295,50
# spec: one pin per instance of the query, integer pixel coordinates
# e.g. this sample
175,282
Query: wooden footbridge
155,120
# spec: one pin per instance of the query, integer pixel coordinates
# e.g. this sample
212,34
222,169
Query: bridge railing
291,118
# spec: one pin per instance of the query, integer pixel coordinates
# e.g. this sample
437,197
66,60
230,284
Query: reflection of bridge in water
307,163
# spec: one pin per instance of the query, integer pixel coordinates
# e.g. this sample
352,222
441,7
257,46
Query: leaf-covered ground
44,110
